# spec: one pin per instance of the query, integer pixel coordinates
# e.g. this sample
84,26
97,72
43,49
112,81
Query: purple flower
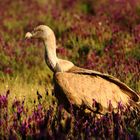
3,101
16,103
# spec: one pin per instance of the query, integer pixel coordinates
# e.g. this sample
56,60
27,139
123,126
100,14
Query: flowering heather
55,123
100,35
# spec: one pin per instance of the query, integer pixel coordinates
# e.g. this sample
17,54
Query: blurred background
99,35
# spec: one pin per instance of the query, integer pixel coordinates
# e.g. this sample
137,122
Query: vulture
82,87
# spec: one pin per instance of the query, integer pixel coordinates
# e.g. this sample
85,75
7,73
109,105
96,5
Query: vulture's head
42,32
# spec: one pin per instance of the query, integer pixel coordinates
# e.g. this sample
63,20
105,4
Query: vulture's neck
54,63
50,53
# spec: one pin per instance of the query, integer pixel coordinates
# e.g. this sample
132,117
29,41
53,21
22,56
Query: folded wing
81,86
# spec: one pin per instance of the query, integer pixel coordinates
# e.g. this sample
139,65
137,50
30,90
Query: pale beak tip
28,35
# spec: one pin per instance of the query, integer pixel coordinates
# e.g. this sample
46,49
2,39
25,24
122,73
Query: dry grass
25,86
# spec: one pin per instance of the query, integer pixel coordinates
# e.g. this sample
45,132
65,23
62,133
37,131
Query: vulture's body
79,86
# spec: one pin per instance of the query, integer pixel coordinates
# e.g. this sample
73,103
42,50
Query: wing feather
81,86
134,95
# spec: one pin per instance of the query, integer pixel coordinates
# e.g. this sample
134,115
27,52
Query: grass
25,86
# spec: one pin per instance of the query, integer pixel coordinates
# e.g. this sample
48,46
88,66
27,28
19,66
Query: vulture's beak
28,35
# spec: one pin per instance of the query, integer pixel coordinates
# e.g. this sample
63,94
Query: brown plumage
78,86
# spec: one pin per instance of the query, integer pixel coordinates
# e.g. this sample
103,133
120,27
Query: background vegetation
100,35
